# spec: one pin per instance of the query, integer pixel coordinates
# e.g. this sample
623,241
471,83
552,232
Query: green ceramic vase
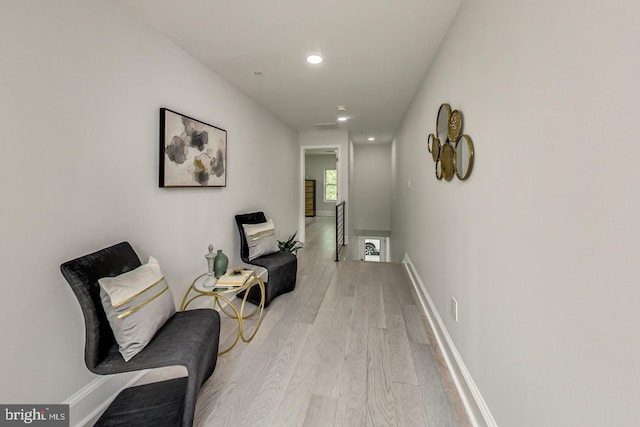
220,264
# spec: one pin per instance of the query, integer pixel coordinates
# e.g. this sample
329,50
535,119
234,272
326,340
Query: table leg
259,308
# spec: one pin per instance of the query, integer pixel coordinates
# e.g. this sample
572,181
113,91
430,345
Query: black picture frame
192,153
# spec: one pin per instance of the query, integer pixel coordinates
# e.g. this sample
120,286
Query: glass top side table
224,290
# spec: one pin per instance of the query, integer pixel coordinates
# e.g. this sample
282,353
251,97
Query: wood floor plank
380,399
311,370
312,305
334,349
449,385
415,328
292,409
270,390
410,410
436,401
375,313
321,409
352,390
390,291
230,366
352,377
402,369
400,279
346,274
240,372
296,398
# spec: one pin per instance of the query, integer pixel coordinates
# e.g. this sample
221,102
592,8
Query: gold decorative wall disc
438,170
455,126
463,157
446,158
430,141
442,122
435,149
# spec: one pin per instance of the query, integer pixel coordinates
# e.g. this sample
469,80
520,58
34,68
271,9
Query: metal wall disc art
435,149
452,152
442,122
446,158
463,157
455,126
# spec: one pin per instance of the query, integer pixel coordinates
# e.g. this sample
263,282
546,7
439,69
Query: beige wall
539,247
81,86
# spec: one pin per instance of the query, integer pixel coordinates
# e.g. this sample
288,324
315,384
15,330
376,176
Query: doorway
319,170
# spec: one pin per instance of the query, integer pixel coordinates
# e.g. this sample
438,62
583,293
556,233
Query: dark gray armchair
282,267
188,338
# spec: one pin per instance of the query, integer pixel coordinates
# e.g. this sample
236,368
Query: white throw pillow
137,304
261,239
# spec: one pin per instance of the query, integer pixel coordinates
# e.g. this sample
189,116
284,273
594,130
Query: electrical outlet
454,309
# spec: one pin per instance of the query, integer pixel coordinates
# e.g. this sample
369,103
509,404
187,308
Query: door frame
303,152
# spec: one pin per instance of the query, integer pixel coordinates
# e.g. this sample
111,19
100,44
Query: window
330,185
372,249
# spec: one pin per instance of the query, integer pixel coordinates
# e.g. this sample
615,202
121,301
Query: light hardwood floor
347,348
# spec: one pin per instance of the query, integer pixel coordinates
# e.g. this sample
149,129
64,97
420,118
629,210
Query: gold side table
207,286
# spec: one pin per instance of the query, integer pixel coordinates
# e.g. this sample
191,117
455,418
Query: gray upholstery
281,266
188,339
164,401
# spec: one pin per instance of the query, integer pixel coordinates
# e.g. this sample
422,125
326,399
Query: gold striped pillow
261,239
137,304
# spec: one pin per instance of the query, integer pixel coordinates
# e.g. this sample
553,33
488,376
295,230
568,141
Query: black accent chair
188,338
282,267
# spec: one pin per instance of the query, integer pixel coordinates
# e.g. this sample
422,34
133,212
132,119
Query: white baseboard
86,405
474,404
326,213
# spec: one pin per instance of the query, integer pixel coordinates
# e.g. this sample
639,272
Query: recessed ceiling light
371,138
343,119
314,59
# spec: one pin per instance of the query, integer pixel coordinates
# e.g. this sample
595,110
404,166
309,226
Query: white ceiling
376,53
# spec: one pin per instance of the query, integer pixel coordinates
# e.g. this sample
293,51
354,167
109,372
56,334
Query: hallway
348,348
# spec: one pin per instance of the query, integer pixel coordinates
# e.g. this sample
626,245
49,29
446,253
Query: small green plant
291,245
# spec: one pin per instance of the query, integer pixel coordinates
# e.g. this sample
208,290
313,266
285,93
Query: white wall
315,165
540,245
81,84
372,187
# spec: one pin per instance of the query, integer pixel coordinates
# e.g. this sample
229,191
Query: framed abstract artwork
192,153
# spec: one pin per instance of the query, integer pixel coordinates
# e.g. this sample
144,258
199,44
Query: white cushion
261,239
137,304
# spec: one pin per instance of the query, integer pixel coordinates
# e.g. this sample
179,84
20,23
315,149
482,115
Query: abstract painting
192,153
